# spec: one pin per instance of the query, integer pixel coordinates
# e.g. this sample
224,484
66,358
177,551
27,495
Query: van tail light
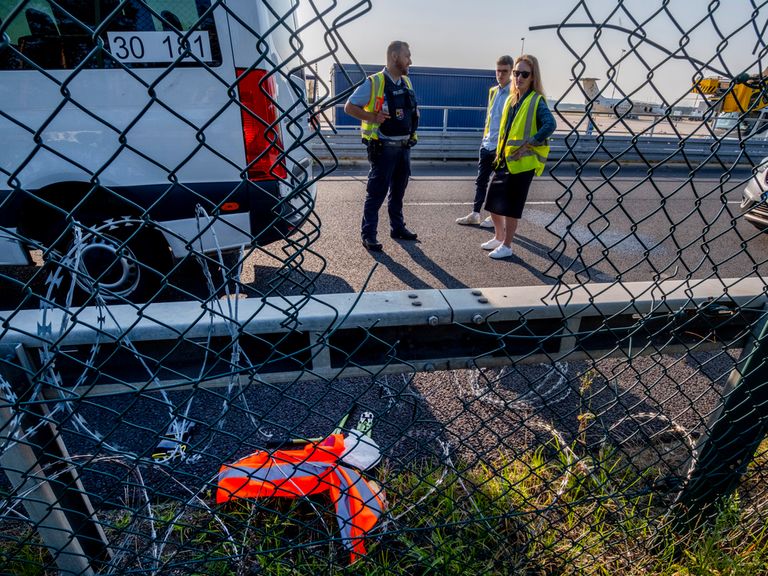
261,131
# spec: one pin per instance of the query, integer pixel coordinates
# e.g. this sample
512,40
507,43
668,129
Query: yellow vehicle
742,100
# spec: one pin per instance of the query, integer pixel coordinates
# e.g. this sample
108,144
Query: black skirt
511,201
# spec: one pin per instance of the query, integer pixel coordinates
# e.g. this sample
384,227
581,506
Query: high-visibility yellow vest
492,93
370,130
523,128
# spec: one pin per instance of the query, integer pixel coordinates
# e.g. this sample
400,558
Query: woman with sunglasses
526,124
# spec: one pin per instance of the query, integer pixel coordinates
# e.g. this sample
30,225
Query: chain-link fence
160,415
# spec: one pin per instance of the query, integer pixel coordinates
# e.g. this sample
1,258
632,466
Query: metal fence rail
345,146
154,420
423,329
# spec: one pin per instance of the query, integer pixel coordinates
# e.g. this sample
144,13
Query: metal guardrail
429,329
569,146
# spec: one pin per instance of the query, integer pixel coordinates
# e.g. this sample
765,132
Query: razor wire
525,460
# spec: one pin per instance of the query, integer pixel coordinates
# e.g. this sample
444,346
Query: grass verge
550,512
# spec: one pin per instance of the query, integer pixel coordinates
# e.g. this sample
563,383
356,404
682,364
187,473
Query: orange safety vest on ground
312,469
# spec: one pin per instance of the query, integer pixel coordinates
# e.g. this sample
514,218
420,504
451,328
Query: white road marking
529,203
466,203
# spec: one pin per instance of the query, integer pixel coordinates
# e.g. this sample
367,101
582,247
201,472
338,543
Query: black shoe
403,234
373,245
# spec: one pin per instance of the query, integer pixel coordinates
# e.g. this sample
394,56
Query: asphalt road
585,228
576,228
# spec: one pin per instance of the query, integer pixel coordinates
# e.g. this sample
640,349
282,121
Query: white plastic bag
360,451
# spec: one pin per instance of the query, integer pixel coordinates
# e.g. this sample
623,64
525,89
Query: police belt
382,142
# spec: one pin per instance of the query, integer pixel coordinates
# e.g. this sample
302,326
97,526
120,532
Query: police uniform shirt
362,95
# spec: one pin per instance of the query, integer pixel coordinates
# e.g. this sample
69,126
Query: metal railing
345,146
596,137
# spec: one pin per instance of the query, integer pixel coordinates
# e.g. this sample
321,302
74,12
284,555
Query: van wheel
120,260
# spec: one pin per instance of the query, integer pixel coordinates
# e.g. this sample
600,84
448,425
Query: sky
472,34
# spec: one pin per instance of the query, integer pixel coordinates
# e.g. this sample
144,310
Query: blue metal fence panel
434,87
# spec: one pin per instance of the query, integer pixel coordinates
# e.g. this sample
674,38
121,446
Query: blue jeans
390,170
484,171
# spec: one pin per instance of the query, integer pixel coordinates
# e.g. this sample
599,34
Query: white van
148,125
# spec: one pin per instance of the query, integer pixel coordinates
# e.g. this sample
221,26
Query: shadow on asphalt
564,263
407,277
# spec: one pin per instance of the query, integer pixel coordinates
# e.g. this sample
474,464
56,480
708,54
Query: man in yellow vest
497,95
386,106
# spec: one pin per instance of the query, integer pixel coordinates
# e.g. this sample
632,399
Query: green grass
21,552
553,511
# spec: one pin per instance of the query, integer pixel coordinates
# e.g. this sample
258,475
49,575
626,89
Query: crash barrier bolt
37,464
729,442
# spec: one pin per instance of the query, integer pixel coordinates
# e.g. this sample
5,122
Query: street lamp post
522,47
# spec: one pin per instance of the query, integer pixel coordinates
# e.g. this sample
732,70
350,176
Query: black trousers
389,174
484,171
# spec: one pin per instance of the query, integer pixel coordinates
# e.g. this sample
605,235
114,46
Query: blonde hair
536,84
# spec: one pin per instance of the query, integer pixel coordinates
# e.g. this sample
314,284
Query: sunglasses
523,73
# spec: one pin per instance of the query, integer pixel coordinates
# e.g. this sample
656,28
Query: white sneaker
501,251
471,218
487,223
492,244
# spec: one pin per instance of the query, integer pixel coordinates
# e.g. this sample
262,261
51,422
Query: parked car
753,200
134,131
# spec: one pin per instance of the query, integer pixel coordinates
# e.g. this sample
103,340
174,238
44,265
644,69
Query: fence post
39,468
732,437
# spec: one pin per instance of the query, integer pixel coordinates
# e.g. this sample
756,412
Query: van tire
120,259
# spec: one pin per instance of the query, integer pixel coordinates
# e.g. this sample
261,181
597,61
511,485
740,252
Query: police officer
386,105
